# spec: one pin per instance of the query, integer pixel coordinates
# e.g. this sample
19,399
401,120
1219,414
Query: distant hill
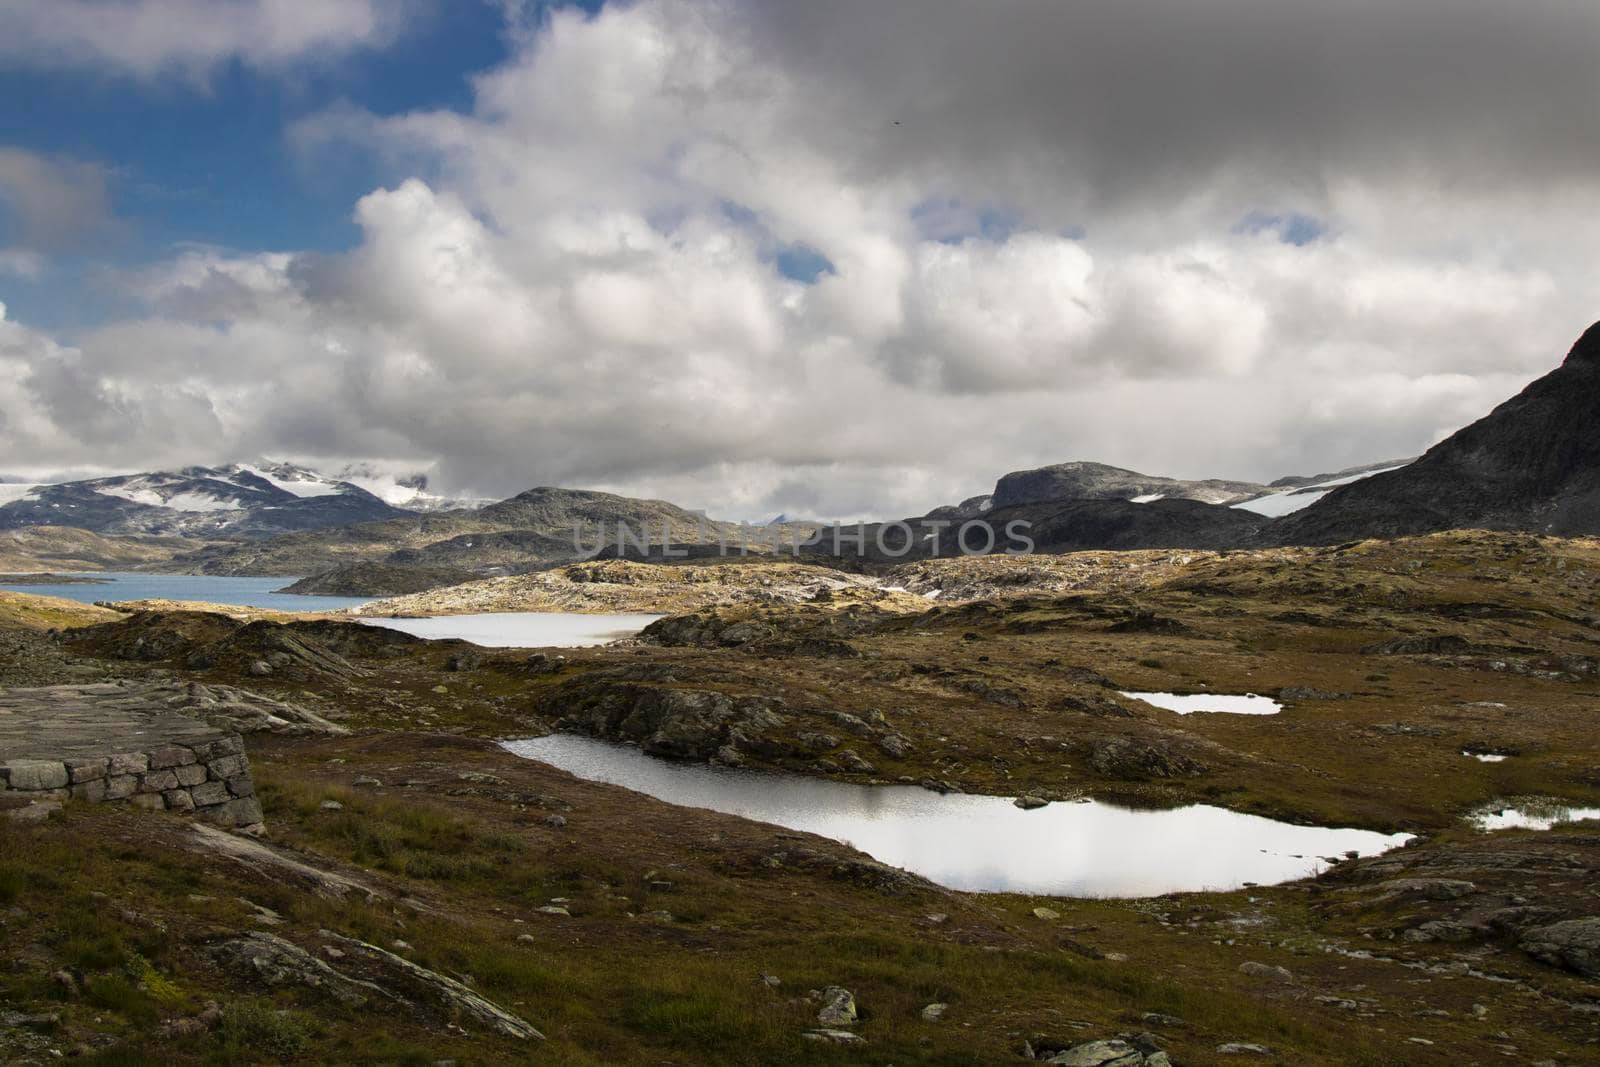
1531,464
67,549
1097,481
536,528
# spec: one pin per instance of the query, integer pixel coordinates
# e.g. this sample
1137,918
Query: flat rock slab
64,722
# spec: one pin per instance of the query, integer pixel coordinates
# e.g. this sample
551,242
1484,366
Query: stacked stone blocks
112,744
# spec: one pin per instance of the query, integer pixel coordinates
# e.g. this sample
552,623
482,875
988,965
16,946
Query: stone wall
58,743
210,779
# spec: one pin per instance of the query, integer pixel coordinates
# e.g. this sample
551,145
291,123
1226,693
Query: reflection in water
1530,813
986,844
1249,704
523,629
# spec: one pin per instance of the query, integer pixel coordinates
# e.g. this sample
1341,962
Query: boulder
838,1007
1114,1053
833,1037
1266,970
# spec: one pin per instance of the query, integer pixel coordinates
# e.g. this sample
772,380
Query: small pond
1221,703
1530,813
981,843
523,629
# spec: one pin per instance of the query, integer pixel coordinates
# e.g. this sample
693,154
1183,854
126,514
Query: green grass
257,1028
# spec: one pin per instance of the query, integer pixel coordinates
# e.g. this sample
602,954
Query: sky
838,258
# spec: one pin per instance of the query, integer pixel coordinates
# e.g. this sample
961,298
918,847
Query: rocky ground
422,895
626,586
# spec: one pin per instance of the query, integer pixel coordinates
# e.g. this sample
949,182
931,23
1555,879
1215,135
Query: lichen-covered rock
276,962
838,1007
1099,1054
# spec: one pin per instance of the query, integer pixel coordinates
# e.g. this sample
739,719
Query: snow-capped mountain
232,501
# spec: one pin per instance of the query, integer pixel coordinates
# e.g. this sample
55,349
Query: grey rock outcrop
1574,944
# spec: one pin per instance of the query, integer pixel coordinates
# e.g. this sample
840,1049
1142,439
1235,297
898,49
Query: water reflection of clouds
1211,703
522,629
986,844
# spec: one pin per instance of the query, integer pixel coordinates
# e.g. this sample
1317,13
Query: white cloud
576,283
146,38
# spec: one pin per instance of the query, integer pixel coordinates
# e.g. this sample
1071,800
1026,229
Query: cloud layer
147,38
846,259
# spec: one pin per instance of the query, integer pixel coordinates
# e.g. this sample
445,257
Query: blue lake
205,588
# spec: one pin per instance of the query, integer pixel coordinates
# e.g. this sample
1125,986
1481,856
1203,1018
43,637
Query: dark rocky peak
1587,351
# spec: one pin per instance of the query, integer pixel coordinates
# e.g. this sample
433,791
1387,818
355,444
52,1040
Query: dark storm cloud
1090,101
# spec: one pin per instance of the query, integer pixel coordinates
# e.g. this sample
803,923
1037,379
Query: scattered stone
1047,914
1266,970
851,761
556,822
934,1012
553,909
366,781
1239,1048
833,1037
1030,803
331,805
838,1007
36,812
1114,1053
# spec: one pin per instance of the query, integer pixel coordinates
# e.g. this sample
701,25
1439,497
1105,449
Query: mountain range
1532,464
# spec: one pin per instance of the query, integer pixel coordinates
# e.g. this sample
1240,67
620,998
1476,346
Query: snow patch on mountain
296,481
1276,505
10,491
